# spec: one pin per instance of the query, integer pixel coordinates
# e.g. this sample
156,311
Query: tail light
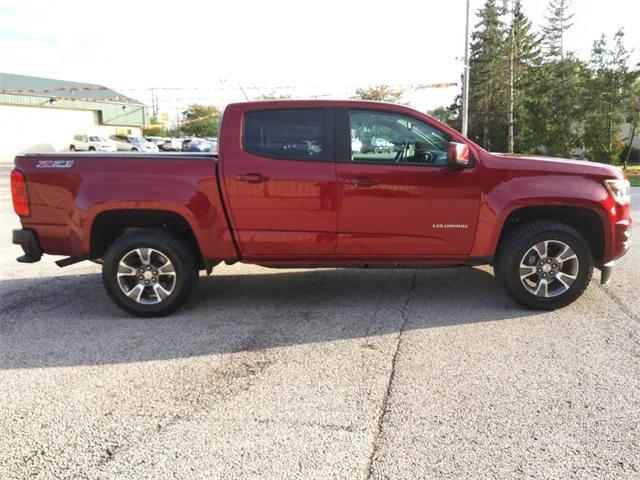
19,193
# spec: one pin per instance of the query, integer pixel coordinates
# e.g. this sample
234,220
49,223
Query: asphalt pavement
315,374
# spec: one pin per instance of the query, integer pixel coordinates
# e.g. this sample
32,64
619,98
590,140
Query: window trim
343,140
328,135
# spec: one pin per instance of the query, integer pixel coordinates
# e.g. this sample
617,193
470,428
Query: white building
43,114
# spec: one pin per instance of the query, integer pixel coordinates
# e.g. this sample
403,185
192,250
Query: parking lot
321,374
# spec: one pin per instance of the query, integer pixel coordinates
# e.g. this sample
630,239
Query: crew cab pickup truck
288,190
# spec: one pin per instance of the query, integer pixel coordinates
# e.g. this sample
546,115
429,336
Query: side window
389,137
295,134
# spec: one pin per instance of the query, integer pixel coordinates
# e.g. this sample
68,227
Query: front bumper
28,240
606,272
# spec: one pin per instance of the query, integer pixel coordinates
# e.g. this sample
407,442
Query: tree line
529,94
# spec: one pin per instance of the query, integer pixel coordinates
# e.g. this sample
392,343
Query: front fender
543,190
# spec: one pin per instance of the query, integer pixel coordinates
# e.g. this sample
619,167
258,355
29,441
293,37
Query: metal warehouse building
38,114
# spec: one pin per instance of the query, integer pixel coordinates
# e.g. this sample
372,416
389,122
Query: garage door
42,129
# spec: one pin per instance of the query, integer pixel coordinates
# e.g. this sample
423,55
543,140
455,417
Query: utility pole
154,102
511,79
465,87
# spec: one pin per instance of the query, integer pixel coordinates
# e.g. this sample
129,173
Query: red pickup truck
323,184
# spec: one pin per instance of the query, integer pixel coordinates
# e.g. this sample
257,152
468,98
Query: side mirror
458,155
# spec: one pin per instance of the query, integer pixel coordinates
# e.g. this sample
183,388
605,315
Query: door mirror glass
458,155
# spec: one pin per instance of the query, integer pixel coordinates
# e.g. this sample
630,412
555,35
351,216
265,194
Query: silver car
130,143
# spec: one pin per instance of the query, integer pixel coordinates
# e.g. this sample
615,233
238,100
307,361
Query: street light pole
465,87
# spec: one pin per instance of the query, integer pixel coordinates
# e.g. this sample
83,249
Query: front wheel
149,273
544,264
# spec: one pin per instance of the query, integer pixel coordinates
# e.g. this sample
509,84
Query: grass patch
633,174
634,180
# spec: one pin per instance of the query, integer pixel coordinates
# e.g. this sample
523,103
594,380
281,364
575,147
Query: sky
200,51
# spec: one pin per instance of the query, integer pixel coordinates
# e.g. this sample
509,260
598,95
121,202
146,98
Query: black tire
173,248
518,242
134,149
72,148
92,149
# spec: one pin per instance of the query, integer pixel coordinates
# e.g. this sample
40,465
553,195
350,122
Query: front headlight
620,190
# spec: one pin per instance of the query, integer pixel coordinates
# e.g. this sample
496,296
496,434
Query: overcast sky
319,48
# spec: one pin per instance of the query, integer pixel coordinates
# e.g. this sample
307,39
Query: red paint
315,213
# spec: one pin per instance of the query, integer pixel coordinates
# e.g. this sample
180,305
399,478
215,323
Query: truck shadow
68,320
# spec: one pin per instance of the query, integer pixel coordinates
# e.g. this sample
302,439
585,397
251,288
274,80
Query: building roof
27,85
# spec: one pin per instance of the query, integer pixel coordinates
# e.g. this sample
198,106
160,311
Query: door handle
361,182
252,178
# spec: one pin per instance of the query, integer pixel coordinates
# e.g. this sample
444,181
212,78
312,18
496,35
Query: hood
559,165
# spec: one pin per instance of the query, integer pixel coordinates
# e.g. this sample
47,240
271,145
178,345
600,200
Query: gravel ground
315,374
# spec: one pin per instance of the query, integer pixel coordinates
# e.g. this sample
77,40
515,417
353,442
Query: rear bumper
28,240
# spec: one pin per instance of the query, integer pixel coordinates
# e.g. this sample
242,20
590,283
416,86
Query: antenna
243,92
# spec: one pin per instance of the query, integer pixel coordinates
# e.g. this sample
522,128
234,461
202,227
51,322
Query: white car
171,145
91,143
356,145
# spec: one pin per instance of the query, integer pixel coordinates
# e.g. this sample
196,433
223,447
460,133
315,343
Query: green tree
525,59
553,108
200,121
154,128
444,114
608,90
554,32
632,109
488,80
379,93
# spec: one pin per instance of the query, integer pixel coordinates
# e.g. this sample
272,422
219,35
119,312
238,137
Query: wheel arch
108,225
586,220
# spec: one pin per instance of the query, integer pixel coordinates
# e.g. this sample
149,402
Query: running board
65,262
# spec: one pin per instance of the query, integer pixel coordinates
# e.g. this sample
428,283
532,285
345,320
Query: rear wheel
544,264
149,273
72,148
92,149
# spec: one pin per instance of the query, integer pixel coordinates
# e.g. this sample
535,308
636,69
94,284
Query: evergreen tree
488,80
554,32
524,55
553,108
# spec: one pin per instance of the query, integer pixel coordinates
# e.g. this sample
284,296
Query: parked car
91,143
130,143
195,144
376,145
284,193
171,145
157,140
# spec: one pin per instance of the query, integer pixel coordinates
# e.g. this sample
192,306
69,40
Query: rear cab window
290,134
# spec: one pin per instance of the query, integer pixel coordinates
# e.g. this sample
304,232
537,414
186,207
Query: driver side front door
400,199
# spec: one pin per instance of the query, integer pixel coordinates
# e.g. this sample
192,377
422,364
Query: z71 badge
54,164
